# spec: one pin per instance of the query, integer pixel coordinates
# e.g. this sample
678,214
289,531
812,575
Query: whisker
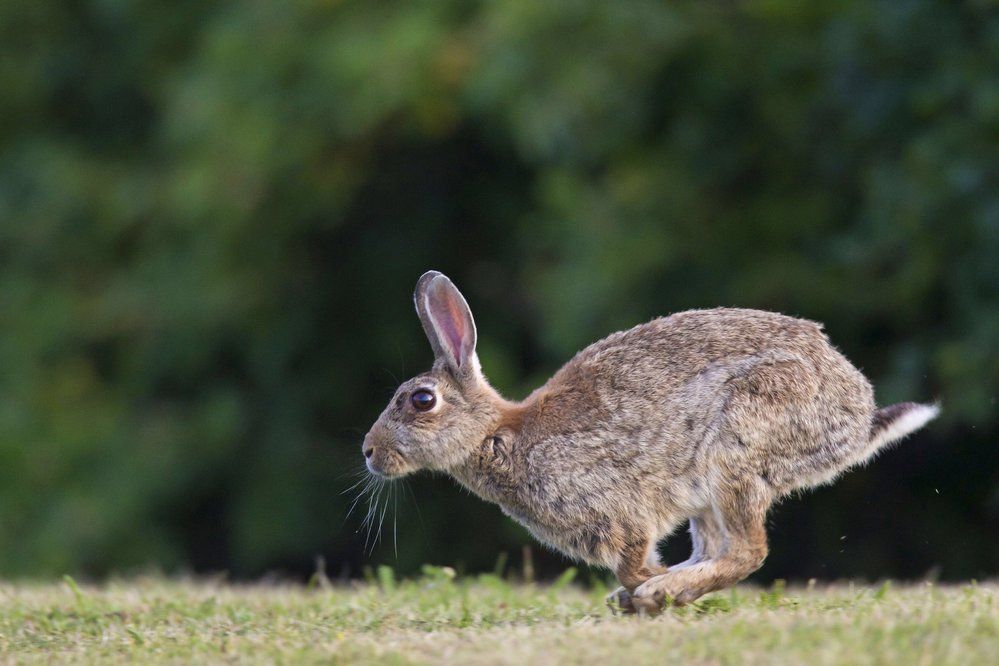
392,375
395,521
359,472
355,485
372,514
419,514
357,499
366,524
381,521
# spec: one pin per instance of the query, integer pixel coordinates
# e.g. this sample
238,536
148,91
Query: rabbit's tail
894,422
889,424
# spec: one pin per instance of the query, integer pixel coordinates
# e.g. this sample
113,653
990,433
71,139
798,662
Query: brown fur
705,416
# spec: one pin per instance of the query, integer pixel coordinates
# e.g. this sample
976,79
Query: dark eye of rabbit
423,400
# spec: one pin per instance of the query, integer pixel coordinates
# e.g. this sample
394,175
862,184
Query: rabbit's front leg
739,513
638,562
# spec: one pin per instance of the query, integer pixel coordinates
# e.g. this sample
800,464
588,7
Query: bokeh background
213,213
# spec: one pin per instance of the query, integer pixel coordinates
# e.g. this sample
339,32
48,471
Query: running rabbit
706,415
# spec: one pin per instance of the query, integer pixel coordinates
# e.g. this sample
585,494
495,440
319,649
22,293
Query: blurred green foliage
212,215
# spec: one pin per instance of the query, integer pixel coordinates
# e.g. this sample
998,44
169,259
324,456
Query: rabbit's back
729,388
669,351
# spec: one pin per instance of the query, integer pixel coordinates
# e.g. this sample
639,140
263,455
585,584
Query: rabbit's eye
423,400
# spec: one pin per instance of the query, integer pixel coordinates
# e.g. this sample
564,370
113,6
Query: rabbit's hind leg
707,537
739,509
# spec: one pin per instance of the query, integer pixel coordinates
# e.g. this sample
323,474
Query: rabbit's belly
597,542
590,514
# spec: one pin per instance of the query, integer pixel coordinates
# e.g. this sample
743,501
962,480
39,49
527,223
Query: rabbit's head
436,419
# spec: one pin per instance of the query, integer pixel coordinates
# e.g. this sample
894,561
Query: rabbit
706,416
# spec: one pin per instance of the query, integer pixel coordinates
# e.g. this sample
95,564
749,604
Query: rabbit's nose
368,449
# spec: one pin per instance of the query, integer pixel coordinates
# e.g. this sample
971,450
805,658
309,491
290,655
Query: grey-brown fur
706,415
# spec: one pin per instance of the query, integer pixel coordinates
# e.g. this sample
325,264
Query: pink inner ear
455,329
448,317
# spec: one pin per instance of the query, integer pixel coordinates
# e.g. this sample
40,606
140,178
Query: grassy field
486,620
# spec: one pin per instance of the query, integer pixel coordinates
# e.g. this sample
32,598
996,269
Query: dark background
212,216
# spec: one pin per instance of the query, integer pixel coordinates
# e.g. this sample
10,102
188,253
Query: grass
436,619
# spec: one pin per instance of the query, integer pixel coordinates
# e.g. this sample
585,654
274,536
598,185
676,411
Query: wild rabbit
706,415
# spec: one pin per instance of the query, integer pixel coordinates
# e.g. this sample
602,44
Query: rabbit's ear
447,321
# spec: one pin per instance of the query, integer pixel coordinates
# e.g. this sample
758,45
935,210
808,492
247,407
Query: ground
485,620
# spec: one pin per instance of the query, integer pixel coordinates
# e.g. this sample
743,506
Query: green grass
486,620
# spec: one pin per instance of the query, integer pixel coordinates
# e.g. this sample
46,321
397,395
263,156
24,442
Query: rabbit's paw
619,601
652,596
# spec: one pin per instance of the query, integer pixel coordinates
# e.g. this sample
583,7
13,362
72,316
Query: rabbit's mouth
387,464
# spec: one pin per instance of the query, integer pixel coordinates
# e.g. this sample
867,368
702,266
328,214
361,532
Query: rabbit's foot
619,601
655,594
